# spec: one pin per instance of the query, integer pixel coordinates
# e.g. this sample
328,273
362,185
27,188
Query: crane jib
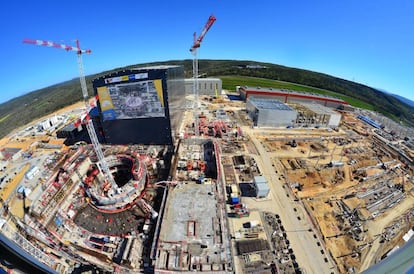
56,45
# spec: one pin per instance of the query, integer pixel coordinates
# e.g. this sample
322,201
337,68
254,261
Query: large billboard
141,99
139,106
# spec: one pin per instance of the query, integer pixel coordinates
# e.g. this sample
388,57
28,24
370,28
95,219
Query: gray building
206,86
269,112
262,188
323,116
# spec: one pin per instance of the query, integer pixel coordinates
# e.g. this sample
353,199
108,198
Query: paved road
303,242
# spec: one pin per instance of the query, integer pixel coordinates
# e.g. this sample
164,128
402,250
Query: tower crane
193,50
89,125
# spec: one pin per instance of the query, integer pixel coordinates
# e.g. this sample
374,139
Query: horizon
89,75
359,42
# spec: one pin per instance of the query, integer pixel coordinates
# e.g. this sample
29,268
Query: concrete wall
176,97
206,86
270,117
275,118
334,120
262,192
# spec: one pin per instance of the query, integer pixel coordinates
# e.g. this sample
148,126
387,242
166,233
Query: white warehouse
261,186
206,86
269,112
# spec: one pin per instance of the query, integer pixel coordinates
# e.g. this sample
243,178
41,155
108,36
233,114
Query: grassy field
4,117
230,83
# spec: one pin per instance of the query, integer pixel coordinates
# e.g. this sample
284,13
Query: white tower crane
193,50
89,125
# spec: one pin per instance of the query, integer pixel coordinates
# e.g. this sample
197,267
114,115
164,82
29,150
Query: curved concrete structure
129,172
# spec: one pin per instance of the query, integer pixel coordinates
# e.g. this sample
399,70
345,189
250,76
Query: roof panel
261,103
319,109
294,93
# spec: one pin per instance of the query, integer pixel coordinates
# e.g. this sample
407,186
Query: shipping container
235,200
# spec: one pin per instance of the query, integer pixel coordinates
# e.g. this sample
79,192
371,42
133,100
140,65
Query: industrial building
206,86
261,186
317,115
142,102
269,112
50,123
288,96
72,134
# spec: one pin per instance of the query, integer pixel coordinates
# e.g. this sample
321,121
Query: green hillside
20,111
229,82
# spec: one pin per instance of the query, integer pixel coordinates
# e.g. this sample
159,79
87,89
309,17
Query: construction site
169,182
226,198
64,202
351,187
348,181
194,233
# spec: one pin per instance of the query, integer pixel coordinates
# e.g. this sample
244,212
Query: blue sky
369,42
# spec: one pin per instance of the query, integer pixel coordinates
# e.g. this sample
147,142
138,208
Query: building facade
323,116
206,86
141,105
269,112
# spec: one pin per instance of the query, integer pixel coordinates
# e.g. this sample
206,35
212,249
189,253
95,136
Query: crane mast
89,124
193,50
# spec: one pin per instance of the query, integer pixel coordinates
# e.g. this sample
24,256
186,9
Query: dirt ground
324,170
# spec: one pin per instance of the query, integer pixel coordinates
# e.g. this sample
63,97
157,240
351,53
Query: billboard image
140,105
143,99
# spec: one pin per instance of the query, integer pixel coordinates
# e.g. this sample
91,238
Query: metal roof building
262,188
289,96
269,112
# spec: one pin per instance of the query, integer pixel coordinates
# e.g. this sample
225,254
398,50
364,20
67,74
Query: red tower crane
89,125
197,42
193,50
